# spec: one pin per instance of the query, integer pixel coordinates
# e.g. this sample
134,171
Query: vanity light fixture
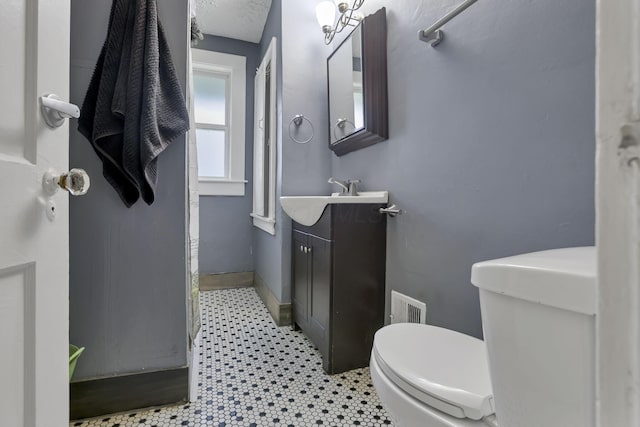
326,14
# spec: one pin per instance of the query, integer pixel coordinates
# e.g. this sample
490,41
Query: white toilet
538,316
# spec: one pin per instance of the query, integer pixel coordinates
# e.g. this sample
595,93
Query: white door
34,247
618,212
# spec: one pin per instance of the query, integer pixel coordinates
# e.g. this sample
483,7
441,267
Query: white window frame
265,223
234,68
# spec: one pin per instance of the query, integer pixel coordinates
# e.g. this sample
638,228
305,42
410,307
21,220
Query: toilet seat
444,369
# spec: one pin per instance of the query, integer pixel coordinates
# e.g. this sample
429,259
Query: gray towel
134,107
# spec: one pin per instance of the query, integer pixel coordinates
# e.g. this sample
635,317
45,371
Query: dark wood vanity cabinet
338,276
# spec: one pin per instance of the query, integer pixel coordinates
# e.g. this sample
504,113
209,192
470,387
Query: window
219,82
264,143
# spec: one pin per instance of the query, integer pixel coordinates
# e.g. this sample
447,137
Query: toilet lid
442,368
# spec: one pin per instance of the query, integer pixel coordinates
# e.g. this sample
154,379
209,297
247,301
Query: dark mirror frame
374,83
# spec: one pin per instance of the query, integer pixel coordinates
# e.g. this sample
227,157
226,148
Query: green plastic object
74,354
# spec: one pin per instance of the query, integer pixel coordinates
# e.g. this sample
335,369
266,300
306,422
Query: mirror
346,103
357,84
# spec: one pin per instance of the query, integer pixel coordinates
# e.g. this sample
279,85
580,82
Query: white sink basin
307,210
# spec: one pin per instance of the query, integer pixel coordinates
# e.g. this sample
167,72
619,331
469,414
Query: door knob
76,182
54,110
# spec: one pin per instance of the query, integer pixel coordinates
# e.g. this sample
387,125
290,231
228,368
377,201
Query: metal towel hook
297,121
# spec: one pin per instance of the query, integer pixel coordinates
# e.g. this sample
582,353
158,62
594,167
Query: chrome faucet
349,186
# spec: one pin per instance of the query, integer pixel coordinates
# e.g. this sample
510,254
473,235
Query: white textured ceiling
236,19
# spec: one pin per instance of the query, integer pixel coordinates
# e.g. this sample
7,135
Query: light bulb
326,13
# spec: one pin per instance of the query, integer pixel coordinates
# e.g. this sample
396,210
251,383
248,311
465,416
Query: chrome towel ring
341,124
297,121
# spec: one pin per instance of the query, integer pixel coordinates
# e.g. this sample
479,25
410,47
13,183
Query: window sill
265,224
221,187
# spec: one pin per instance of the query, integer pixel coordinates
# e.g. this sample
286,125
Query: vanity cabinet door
300,280
338,287
319,294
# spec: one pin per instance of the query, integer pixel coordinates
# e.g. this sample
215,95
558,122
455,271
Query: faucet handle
344,185
353,186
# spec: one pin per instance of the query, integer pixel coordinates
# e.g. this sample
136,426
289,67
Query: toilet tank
538,316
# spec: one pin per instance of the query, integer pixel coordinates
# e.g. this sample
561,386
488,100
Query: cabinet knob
301,248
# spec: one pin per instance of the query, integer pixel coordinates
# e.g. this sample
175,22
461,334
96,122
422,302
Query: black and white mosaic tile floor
253,373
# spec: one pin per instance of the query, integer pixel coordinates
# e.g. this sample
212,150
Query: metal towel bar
434,35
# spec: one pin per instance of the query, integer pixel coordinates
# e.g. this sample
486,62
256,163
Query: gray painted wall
492,143
491,149
128,276
225,225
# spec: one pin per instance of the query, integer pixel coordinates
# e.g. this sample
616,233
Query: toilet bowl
537,368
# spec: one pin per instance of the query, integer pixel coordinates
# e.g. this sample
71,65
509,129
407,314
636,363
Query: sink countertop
307,210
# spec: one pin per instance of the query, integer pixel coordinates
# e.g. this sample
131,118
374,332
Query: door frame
618,213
